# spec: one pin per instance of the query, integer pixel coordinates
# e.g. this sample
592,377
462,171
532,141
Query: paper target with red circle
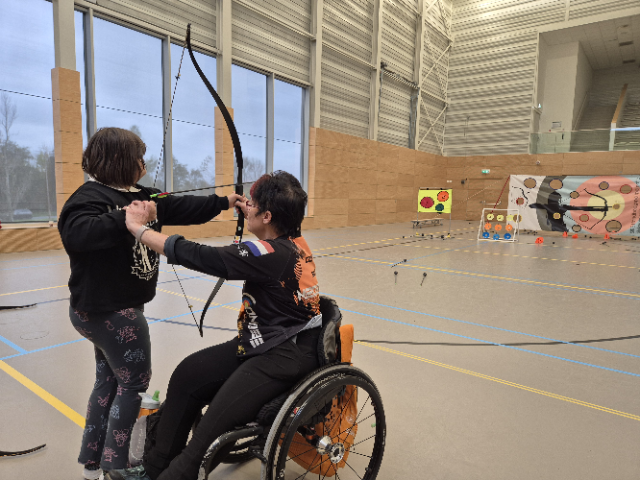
434,200
599,205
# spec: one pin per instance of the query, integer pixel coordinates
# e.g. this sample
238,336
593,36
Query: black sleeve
234,262
190,209
195,256
87,227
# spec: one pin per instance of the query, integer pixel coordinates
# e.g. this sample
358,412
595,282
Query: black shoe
135,473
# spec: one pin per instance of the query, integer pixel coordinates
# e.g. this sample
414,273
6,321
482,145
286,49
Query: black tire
301,409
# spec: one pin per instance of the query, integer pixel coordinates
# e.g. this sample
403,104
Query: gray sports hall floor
511,361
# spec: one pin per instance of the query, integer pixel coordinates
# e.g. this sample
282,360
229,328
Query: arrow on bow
238,152
164,194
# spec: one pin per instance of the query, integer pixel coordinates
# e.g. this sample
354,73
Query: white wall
584,80
559,85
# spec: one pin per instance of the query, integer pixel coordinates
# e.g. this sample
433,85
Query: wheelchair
331,423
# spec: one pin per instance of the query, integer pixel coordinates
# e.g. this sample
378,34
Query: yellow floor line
71,414
496,277
506,382
525,256
34,290
388,239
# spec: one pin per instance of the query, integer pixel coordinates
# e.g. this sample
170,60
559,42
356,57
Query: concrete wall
559,85
584,79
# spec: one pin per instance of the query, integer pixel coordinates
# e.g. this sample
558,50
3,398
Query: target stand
499,225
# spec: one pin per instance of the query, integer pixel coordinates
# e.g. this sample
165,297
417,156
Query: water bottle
149,405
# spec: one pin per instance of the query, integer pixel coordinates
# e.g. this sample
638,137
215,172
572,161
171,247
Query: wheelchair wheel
332,425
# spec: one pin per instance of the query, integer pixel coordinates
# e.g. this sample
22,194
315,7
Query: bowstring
166,127
155,179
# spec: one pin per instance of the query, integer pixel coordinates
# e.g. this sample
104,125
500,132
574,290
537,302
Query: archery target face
438,201
599,205
498,224
601,193
523,191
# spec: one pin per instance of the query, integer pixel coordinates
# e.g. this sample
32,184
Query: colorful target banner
578,204
434,200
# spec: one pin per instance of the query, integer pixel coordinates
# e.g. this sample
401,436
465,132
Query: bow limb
238,153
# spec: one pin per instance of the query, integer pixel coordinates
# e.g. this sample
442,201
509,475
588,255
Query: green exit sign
486,171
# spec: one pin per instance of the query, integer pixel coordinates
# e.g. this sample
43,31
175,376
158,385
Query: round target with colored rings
485,235
490,216
498,227
508,228
509,218
487,226
500,218
507,236
496,237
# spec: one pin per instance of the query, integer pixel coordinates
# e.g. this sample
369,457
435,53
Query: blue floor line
486,326
12,345
27,352
497,344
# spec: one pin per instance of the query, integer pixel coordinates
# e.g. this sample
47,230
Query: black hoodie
110,270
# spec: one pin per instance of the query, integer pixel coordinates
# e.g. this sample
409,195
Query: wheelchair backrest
329,341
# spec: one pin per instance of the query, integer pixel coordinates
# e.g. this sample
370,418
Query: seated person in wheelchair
278,328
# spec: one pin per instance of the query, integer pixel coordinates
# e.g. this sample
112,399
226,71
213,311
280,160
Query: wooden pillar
67,127
225,160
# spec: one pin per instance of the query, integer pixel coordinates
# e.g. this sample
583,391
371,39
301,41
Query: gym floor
507,361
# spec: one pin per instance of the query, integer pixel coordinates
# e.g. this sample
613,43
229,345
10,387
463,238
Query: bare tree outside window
25,193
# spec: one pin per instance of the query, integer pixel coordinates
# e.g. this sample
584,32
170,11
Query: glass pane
194,141
128,71
287,147
249,100
27,183
79,31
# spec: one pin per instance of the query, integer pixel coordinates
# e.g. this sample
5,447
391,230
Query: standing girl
112,276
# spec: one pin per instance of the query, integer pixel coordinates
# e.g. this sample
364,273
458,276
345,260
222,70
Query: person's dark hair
112,155
281,194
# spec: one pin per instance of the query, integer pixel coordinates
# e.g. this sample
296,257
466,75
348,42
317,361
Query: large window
249,100
27,183
287,145
128,78
193,118
252,114
130,87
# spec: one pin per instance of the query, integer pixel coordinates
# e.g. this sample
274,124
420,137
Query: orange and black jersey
280,296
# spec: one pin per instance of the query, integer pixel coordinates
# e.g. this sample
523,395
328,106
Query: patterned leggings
123,369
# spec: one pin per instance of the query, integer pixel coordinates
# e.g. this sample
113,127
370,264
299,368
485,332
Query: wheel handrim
338,453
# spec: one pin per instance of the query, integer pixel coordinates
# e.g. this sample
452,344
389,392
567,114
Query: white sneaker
93,474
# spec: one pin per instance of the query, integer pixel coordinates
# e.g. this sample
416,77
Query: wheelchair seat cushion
346,343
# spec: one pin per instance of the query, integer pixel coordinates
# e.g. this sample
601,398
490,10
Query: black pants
123,369
235,389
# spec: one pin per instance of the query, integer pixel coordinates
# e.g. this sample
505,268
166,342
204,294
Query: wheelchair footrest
223,443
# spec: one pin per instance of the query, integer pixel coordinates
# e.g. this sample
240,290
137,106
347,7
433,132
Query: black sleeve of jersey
190,209
85,226
195,256
234,262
